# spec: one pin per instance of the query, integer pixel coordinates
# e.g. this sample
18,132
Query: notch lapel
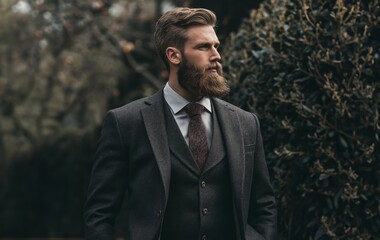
233,138
154,120
177,143
217,151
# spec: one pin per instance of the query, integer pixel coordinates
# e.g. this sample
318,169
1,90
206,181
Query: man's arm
262,216
107,183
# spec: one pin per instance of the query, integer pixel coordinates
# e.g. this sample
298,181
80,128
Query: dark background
310,70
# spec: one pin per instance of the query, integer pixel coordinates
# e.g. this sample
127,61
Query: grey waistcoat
200,203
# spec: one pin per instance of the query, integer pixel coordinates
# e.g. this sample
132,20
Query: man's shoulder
140,103
131,106
133,109
232,107
247,120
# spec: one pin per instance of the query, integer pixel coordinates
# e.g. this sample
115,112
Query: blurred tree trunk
158,9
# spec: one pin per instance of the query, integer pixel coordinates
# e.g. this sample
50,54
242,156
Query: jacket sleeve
108,182
262,216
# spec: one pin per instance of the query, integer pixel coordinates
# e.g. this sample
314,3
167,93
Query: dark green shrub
311,71
43,191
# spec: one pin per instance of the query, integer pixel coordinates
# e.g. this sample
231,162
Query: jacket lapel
217,151
177,143
233,138
154,120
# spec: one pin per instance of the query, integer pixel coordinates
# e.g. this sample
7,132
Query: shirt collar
177,102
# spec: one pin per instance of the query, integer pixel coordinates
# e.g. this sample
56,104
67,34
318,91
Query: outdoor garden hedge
311,71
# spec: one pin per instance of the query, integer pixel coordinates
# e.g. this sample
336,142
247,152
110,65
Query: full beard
201,83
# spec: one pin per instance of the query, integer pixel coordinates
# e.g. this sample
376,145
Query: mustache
217,66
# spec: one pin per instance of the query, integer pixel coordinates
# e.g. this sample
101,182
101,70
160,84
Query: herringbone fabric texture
197,134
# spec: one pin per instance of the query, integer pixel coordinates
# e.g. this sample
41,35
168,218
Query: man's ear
174,55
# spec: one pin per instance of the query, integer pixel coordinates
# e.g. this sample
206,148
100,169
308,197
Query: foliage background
309,69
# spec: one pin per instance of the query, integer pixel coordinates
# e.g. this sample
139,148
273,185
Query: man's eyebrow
207,43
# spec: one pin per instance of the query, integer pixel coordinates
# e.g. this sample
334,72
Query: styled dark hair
171,28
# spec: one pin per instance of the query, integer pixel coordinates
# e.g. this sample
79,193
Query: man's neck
174,84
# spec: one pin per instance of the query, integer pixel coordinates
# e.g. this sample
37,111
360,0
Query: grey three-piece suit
142,152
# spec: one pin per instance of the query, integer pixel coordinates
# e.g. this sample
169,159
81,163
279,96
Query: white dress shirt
177,103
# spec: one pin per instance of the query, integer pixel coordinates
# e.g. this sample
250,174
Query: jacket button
204,237
159,213
203,184
205,211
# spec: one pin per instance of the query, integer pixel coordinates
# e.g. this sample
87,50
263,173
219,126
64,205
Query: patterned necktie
197,133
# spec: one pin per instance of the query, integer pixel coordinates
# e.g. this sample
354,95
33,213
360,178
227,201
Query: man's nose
215,56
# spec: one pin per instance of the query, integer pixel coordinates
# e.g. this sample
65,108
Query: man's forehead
202,34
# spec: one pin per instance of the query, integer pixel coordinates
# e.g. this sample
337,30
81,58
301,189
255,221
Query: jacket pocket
249,148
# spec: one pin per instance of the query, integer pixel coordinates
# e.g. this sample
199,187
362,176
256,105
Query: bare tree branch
143,71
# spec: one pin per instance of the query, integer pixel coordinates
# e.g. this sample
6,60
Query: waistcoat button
205,211
204,237
203,184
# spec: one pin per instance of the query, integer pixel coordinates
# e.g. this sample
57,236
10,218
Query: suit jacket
133,155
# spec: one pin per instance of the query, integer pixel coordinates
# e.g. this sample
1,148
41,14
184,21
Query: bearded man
192,165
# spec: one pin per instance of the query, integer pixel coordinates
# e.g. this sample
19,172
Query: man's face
200,72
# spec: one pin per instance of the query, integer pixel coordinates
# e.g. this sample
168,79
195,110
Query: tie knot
194,109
